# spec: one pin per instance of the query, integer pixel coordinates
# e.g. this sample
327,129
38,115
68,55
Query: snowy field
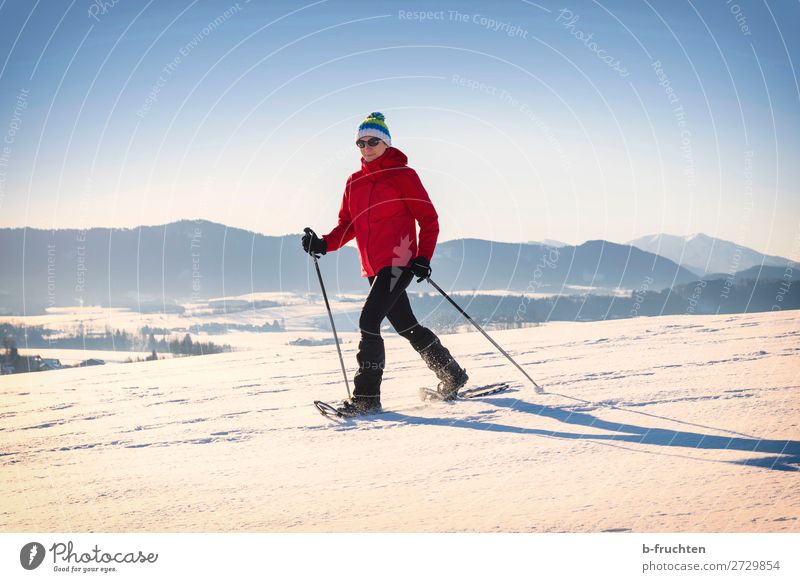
670,424
299,312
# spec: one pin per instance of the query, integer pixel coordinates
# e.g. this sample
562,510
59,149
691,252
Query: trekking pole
330,315
480,329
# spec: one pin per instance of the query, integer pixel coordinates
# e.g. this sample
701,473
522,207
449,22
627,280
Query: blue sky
526,121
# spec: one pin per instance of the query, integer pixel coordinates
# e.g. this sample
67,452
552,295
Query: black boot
438,358
371,359
356,406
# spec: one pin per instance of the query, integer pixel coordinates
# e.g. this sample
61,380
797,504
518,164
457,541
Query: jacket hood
391,158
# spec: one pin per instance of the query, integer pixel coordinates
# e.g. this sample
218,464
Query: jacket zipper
369,222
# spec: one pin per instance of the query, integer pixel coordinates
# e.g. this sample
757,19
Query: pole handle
310,231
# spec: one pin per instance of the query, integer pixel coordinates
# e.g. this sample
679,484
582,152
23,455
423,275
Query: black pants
387,298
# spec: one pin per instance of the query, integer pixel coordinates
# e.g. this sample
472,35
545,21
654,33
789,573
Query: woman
382,203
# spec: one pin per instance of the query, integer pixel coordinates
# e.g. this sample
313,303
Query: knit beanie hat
375,126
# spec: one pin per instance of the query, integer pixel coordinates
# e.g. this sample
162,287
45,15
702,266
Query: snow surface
691,425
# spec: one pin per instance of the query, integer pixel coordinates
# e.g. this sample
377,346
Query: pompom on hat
375,126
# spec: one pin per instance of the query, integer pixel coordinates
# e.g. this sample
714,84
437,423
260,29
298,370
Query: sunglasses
371,142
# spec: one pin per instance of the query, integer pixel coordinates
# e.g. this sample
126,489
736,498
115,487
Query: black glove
313,244
421,267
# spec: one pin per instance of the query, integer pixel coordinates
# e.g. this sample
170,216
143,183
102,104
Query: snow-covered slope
691,424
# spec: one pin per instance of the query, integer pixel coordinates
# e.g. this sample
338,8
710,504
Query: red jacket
379,208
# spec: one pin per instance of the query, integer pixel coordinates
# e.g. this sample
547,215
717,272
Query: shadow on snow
787,453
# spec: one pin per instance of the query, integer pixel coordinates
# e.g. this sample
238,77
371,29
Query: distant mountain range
703,254
548,242
153,267
475,264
